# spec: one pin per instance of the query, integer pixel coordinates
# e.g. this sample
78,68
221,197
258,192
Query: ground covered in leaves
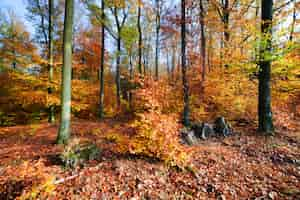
242,166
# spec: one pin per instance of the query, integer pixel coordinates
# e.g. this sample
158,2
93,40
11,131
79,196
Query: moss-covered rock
77,152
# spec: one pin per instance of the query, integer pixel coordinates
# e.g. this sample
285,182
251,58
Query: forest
150,99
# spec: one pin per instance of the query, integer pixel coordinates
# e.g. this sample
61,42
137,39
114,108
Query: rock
189,137
210,188
203,130
272,195
78,152
207,131
221,197
197,128
221,127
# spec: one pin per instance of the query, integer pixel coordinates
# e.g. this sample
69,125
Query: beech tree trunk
226,29
140,42
203,45
101,74
51,112
64,129
131,78
264,101
186,111
118,81
157,38
293,22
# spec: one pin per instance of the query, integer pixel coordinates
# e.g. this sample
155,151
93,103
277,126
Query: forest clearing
137,99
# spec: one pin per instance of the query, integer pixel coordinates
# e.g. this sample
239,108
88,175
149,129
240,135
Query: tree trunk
203,45
168,64
186,111
131,78
221,51
51,112
140,42
101,73
293,23
64,129
118,81
173,61
226,30
157,38
264,104
209,51
145,62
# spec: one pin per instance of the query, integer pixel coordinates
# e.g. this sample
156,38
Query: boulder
77,153
221,127
203,130
207,131
188,136
197,128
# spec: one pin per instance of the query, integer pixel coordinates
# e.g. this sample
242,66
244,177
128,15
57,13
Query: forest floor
242,166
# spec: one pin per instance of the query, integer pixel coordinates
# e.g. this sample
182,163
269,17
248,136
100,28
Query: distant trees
46,16
64,129
264,92
119,23
139,31
114,25
16,46
38,13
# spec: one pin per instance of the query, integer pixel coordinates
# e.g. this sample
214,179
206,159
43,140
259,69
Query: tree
203,43
119,13
186,111
293,22
51,114
16,47
87,53
38,14
223,9
64,129
157,19
101,104
119,24
264,92
140,43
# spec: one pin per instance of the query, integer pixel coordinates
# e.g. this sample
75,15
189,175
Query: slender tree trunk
64,129
131,78
221,51
203,45
140,42
144,62
101,72
51,113
43,27
118,81
264,101
173,62
168,64
226,30
293,23
209,50
157,38
186,110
